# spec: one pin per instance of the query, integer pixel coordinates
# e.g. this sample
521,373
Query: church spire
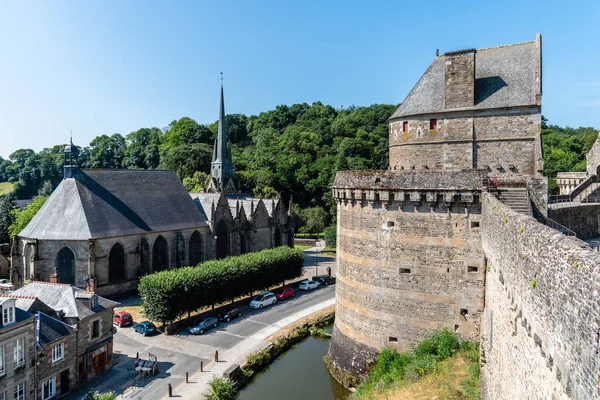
221,169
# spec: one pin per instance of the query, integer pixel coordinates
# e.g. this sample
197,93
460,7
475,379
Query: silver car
308,285
200,327
5,284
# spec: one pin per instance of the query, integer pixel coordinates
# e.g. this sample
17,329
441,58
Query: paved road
182,352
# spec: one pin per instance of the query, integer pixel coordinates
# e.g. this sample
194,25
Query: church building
102,229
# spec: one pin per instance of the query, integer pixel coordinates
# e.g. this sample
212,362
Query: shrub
330,236
220,389
99,396
216,281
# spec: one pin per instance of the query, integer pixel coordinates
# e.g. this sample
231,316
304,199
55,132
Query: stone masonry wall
404,268
583,219
506,143
539,333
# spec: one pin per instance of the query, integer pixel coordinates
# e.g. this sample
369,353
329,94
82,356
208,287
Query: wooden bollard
201,366
186,378
170,390
137,355
216,355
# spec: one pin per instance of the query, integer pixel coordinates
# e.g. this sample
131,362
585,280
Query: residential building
17,351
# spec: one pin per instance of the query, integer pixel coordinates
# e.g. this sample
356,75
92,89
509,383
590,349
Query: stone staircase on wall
516,199
590,193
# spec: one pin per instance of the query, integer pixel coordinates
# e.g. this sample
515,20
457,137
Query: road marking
233,334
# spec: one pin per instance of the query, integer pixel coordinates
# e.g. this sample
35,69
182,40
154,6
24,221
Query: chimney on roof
55,278
459,79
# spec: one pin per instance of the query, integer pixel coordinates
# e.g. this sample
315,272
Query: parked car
263,299
325,280
5,284
122,318
230,314
145,328
203,325
308,285
284,293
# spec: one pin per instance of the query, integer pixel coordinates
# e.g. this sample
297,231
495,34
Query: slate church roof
505,76
106,203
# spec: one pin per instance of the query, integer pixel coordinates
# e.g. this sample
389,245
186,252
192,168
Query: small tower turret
71,166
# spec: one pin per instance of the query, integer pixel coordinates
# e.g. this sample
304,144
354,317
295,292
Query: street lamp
187,305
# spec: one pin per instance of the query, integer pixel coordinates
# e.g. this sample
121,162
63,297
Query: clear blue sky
115,66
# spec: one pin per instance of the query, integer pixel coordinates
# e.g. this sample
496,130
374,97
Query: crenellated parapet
408,188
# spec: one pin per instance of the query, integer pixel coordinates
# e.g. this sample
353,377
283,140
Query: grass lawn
302,247
5,188
455,378
328,251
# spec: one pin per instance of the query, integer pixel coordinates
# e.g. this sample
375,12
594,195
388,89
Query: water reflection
299,374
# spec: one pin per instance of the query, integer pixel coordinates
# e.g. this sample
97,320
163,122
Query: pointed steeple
221,169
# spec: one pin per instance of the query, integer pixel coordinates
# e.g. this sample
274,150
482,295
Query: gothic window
242,243
160,260
195,249
65,263
116,264
277,236
222,240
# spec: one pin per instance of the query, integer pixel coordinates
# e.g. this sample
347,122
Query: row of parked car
263,299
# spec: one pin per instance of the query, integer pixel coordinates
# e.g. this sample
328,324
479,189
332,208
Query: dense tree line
565,150
291,150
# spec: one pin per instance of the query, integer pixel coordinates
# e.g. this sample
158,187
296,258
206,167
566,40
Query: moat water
298,374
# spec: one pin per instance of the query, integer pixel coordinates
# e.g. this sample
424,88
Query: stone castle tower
409,249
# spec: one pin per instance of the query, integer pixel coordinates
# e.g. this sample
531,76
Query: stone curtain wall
542,310
583,219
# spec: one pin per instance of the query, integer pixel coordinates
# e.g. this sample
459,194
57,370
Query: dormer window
8,315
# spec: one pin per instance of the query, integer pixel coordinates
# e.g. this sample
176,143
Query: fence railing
559,227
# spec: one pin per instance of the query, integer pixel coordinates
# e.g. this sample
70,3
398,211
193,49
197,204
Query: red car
284,293
122,318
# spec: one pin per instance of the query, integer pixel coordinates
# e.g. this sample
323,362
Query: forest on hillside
293,150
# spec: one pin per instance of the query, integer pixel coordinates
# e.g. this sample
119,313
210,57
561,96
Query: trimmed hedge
164,297
309,235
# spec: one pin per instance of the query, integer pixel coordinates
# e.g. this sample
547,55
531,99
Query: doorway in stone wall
65,384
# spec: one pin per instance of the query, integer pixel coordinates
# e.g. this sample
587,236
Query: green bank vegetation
441,366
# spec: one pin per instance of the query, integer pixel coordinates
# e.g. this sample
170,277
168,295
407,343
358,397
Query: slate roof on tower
106,203
505,76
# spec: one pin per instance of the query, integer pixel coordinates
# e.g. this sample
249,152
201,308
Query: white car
308,285
5,284
263,299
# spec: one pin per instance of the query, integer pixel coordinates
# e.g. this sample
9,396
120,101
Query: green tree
197,182
7,218
22,218
186,159
142,150
313,220
107,151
